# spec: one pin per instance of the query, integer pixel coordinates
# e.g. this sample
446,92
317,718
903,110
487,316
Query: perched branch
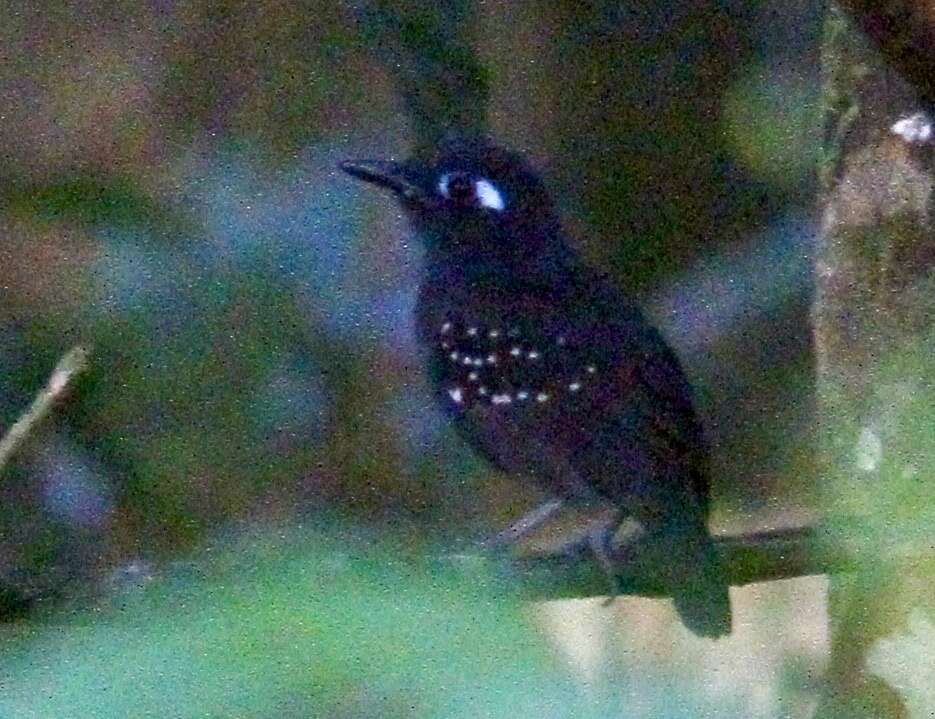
748,558
72,363
644,570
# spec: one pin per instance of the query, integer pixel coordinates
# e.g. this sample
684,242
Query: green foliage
771,122
295,621
881,493
88,200
291,622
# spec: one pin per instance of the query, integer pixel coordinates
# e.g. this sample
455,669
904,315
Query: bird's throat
552,268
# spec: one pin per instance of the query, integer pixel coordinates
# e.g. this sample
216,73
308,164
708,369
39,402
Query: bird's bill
385,174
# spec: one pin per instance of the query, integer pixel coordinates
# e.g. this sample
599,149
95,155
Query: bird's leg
601,541
524,526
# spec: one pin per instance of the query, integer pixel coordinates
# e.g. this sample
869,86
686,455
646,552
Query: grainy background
168,194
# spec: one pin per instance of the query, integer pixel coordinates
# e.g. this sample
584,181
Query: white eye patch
488,195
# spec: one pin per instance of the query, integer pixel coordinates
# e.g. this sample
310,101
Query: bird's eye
465,190
457,186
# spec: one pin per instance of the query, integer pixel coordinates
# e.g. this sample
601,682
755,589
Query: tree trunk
874,317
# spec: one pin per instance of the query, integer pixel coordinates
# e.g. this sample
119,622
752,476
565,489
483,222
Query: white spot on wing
456,394
501,399
533,355
515,352
446,327
522,394
472,332
574,386
542,397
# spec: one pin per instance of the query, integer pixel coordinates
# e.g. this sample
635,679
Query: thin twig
72,363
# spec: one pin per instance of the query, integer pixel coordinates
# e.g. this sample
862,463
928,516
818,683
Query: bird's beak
385,174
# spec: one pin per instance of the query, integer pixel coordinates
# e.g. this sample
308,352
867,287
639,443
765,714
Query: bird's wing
647,447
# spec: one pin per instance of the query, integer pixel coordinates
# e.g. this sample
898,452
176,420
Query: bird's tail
702,600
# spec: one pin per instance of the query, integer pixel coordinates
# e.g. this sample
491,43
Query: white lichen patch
869,450
915,128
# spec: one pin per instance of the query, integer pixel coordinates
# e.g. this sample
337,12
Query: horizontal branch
747,558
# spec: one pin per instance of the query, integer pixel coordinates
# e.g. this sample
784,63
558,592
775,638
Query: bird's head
474,203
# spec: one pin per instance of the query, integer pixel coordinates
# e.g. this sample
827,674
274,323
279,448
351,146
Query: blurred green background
254,412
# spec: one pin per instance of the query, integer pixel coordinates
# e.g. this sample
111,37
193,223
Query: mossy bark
874,321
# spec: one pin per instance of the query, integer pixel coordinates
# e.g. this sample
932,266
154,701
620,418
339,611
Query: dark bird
549,371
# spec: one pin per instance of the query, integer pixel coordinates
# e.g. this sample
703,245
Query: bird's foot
610,553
